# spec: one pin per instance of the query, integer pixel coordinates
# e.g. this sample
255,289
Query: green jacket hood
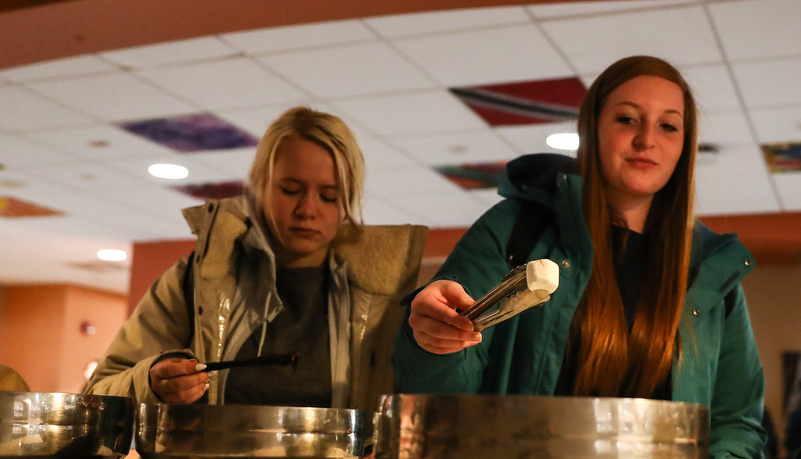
532,177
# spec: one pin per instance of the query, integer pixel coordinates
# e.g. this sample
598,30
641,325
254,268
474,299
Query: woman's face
640,138
302,203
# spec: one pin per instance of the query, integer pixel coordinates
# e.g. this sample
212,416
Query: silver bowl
218,431
490,426
62,425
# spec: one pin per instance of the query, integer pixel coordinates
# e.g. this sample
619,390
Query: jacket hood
532,176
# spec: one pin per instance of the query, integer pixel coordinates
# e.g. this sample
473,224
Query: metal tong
517,291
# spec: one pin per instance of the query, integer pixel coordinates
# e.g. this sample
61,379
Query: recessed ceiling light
168,171
112,255
563,141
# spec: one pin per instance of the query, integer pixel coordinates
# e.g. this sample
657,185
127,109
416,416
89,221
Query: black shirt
301,327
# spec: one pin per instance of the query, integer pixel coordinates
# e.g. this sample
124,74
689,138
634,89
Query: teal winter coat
720,367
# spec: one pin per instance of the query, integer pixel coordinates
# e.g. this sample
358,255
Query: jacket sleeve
478,263
158,326
737,398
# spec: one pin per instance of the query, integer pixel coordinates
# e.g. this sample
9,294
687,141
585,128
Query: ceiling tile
158,201
379,154
174,52
788,185
457,148
111,218
488,196
531,139
712,87
377,211
446,209
682,36
362,69
724,128
430,111
117,97
192,133
769,83
299,36
71,66
730,161
199,171
99,141
555,10
394,181
25,110
231,164
781,124
506,54
19,152
256,120
236,82
25,185
406,25
90,176
729,197
758,29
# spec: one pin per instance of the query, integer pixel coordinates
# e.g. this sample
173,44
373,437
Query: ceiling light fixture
563,141
168,171
112,255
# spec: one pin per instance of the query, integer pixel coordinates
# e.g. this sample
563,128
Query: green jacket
235,294
720,366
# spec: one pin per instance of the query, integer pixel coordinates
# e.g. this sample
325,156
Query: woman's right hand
437,327
177,380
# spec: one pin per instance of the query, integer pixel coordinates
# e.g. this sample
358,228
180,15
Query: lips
303,232
641,162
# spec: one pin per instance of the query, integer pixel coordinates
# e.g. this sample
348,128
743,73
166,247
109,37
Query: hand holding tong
522,288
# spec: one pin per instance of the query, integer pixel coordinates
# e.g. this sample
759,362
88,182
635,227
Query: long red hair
610,361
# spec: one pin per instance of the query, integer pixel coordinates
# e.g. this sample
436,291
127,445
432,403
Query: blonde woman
287,268
649,302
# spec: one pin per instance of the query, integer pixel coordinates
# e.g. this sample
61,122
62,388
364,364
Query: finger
439,301
456,296
441,330
173,367
190,395
439,346
179,383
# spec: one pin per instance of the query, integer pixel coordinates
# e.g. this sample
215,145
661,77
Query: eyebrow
632,104
294,180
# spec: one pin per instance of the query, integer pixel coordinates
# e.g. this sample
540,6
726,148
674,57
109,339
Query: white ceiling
388,78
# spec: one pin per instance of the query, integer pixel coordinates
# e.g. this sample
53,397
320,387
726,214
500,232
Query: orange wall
148,261
40,333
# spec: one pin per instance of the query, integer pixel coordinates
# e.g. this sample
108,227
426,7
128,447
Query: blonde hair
326,130
612,361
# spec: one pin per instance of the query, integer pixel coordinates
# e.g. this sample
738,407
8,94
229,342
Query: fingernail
206,387
200,367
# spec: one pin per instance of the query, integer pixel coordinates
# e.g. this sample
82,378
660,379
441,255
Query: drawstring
263,334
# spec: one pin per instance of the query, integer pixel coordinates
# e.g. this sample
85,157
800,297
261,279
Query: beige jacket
10,380
235,294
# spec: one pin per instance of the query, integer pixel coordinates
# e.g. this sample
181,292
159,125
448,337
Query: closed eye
289,191
623,119
669,127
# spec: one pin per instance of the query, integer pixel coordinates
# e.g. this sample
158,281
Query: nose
646,137
306,207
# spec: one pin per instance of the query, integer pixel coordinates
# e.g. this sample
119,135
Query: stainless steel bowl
492,426
62,425
218,431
